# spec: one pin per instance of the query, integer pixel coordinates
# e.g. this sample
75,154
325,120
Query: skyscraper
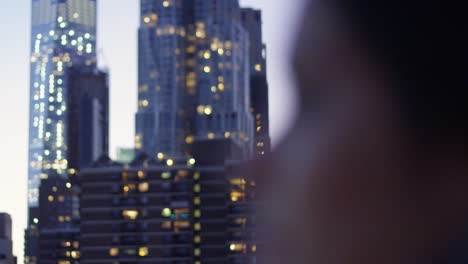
193,76
63,35
88,116
252,21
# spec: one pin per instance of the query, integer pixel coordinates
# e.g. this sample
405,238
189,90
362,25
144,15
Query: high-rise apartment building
6,244
193,76
252,21
186,211
67,96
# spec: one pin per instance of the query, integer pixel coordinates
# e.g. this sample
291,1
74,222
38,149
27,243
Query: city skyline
131,89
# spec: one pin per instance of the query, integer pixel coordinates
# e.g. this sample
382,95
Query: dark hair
424,44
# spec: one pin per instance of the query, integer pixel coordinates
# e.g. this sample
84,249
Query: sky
117,42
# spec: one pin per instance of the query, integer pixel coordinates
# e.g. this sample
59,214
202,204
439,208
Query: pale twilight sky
117,39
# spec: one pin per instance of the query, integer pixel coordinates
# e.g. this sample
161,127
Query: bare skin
348,185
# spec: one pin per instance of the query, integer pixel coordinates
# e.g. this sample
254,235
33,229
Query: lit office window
130,214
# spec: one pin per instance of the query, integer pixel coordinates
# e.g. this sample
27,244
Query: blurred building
125,155
193,76
88,116
6,243
68,113
159,210
252,21
63,34
58,228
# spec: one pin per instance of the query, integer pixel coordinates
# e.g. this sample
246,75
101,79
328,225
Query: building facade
88,115
252,21
58,240
6,243
63,36
197,210
193,76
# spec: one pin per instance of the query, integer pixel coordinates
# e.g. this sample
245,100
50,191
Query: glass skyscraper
63,34
193,76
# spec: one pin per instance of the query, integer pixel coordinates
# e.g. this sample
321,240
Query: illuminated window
128,188
221,87
196,176
197,201
75,255
197,226
237,247
240,221
160,156
197,252
113,252
143,187
50,198
170,162
143,103
141,174
63,262
254,248
189,140
130,214
236,196
220,52
227,134
237,181
191,162
200,33
66,244
166,175
196,188
207,55
211,135
207,69
197,239
191,49
143,252
197,213
258,67
208,110
166,212
181,224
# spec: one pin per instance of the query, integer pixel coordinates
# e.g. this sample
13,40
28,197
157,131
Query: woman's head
374,170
